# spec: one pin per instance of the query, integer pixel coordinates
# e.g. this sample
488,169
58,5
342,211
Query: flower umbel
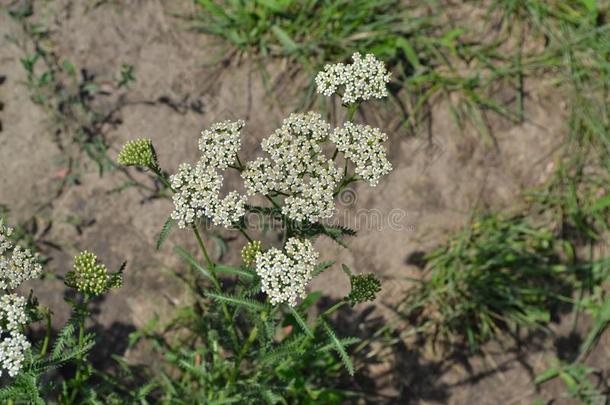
13,342
138,152
90,277
16,263
196,194
284,275
364,288
363,145
362,80
219,144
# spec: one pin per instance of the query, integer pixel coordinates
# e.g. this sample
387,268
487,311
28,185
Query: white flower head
331,78
16,263
196,193
12,313
260,176
362,80
315,199
219,144
296,149
284,275
12,353
13,343
363,145
229,210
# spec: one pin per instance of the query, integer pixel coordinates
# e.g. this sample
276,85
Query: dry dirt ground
439,177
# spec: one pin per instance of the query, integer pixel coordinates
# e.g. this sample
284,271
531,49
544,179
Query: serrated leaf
234,271
186,256
236,301
321,267
302,323
167,227
347,362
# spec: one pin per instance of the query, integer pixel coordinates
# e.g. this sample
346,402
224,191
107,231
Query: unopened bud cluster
364,288
249,252
90,277
139,152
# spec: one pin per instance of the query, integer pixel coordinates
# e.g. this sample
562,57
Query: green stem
217,286
242,353
81,339
208,261
243,232
333,308
157,171
244,349
351,110
272,201
47,336
241,166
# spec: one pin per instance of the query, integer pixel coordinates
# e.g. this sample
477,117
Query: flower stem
157,171
243,232
211,267
351,110
208,261
334,308
47,336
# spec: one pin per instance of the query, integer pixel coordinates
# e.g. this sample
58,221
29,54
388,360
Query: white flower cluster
362,80
197,189
229,210
297,167
16,264
13,342
315,199
285,275
219,144
363,145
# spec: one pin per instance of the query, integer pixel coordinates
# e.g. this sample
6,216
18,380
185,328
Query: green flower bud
249,252
139,152
90,277
364,288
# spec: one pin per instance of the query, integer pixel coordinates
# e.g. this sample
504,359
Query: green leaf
302,323
347,362
234,271
546,376
167,227
410,53
186,256
236,301
321,267
285,39
347,270
601,204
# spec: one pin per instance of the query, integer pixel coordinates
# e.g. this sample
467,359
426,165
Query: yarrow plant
307,163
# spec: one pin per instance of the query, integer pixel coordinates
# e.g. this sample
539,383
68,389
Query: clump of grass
310,31
497,274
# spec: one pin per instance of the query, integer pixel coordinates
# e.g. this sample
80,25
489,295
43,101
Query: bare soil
439,178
